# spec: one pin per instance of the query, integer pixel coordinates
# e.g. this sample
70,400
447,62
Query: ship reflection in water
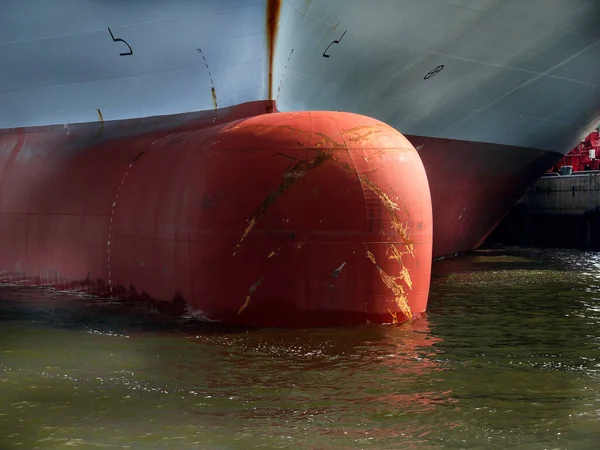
508,355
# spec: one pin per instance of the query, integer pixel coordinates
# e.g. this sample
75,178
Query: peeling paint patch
249,296
398,290
290,176
336,273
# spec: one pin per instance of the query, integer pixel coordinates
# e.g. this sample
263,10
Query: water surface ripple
508,356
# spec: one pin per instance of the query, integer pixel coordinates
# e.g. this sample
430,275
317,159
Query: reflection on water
508,355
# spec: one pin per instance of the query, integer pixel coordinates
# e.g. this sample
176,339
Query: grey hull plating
515,72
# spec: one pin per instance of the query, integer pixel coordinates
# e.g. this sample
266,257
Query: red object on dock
241,216
585,156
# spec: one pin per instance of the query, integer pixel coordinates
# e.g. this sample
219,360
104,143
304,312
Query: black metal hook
123,41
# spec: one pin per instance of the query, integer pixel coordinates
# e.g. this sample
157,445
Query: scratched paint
400,227
336,273
398,290
249,296
289,177
306,168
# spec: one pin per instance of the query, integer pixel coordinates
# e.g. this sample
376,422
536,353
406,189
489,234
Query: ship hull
256,218
474,185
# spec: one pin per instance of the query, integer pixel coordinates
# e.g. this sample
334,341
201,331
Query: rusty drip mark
336,273
273,11
290,176
214,96
101,117
249,296
400,295
283,74
400,227
213,91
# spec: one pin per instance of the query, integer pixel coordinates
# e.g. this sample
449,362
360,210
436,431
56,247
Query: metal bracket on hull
123,41
337,41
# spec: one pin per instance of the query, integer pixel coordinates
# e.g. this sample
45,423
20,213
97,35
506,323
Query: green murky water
508,356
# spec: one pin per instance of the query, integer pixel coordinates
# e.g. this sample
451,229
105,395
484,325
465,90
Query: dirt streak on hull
252,218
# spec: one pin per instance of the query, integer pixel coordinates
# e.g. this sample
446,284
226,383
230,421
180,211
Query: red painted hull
283,219
473,186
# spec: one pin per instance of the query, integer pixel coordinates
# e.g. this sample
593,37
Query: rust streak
214,96
404,273
400,227
273,11
290,176
400,295
101,117
328,140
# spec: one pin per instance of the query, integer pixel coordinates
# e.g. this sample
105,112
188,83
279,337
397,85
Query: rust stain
273,11
290,176
328,140
249,296
404,274
275,252
355,136
400,295
214,96
394,316
283,74
101,117
400,227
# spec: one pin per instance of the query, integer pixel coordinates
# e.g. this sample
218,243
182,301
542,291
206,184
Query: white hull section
517,72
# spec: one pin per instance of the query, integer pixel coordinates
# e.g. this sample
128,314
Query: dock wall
557,211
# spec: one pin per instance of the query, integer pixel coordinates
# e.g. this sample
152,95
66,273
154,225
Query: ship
487,94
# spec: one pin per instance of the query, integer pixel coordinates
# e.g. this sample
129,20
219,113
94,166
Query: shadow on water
508,355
